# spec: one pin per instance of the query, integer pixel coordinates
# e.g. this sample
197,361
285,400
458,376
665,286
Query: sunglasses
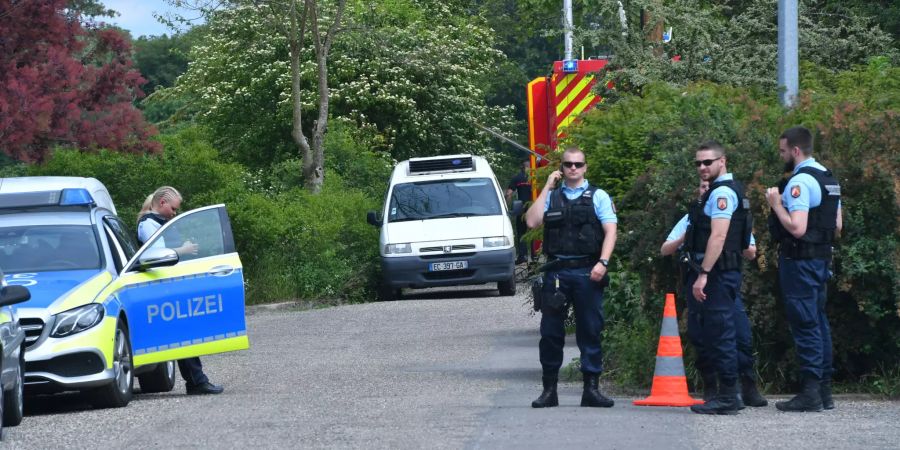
571,164
706,162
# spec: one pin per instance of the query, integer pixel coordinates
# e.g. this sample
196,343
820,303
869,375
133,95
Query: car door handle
221,271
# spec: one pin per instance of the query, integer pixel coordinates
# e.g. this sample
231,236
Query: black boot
825,393
750,394
725,403
808,400
710,386
548,398
592,395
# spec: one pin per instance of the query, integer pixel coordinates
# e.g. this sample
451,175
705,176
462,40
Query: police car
12,355
104,309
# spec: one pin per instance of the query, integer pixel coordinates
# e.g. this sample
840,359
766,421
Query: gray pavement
451,368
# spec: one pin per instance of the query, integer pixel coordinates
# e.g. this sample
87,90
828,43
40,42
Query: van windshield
461,197
44,248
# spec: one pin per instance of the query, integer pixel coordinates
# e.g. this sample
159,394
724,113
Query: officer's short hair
712,145
799,137
574,149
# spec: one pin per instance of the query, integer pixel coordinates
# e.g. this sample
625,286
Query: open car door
191,304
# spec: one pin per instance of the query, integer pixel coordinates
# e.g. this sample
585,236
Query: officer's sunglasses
706,162
570,164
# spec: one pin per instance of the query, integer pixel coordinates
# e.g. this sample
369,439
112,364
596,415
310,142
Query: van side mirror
373,219
12,294
517,207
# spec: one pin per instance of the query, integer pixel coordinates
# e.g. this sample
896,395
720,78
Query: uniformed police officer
164,205
579,236
749,393
521,186
717,233
804,220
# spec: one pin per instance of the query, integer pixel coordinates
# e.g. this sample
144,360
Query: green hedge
642,147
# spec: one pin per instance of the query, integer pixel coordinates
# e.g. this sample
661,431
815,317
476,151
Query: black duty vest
571,227
739,230
171,234
820,225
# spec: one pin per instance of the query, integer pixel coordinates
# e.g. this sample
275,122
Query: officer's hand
773,197
553,178
190,248
598,272
699,295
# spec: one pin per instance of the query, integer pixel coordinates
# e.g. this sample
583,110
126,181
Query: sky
136,16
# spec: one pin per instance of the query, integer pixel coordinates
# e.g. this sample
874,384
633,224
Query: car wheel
386,293
160,379
13,401
507,287
118,392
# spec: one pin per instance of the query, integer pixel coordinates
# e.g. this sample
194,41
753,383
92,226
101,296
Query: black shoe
750,394
592,396
205,388
548,398
808,400
825,393
725,403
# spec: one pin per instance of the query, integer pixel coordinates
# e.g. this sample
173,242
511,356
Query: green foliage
854,116
631,331
292,244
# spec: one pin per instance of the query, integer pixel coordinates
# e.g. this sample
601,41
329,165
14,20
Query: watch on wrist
704,271
605,262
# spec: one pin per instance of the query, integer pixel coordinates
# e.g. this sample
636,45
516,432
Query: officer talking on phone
579,236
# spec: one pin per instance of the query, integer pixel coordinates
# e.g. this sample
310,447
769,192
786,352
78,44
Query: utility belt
796,249
568,263
550,299
726,261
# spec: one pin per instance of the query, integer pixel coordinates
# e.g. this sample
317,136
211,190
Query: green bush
854,116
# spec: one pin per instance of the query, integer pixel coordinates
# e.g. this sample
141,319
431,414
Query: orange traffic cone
669,382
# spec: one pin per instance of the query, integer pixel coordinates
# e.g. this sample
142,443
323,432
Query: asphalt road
440,369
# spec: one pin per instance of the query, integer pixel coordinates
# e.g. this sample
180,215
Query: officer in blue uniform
521,186
164,205
579,236
719,230
804,220
749,393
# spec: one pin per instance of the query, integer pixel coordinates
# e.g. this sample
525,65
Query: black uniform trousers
711,323
192,371
586,297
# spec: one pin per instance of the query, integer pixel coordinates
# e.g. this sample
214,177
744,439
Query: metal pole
567,26
788,60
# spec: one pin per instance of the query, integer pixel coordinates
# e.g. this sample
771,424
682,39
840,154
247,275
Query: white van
444,223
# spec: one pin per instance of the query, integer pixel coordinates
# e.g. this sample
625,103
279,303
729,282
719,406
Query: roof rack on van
439,164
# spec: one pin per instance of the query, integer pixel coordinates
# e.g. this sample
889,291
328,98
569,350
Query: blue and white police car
104,309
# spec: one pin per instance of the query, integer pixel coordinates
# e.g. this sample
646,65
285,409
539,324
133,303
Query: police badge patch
722,203
795,190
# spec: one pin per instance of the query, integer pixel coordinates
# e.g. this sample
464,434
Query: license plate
448,265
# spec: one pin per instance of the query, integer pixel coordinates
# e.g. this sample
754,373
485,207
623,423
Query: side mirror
372,218
157,257
517,207
13,294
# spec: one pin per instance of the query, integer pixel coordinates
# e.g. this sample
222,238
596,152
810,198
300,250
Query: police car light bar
65,197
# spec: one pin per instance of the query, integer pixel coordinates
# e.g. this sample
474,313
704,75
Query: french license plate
448,265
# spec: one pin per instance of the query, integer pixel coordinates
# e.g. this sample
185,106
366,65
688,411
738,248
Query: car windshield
443,198
43,248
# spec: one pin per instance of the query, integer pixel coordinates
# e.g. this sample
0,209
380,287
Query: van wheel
386,293
118,392
13,404
507,287
160,379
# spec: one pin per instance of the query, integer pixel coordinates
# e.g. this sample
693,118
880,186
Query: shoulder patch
722,203
795,190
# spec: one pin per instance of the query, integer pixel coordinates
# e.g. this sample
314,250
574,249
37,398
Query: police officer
164,205
715,238
804,220
521,186
579,236
749,393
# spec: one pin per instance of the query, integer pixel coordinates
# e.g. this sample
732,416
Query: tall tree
62,83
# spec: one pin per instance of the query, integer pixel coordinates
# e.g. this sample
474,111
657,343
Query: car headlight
397,248
77,320
500,241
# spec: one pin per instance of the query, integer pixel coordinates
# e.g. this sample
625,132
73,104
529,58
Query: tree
62,83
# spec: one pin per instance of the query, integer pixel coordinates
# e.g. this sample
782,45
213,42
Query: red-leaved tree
63,82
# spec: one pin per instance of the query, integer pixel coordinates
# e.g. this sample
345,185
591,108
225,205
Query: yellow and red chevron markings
573,96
